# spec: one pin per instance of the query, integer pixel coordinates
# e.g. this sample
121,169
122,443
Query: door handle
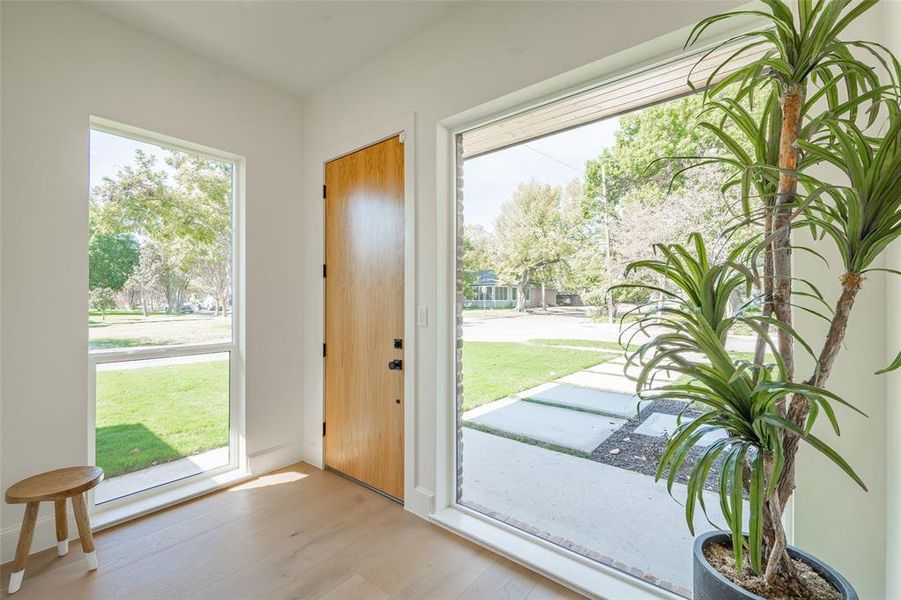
396,365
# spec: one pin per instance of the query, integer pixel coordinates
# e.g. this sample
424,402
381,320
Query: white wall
892,31
62,63
482,53
834,518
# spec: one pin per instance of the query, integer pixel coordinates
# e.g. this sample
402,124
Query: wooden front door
364,316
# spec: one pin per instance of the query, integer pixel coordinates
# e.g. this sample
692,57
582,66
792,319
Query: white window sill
128,508
571,570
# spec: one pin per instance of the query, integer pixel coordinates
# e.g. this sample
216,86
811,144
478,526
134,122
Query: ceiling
296,46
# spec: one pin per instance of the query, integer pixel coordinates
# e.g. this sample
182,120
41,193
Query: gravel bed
626,449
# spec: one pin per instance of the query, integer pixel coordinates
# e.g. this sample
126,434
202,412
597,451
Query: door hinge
323,349
323,191
323,270
323,429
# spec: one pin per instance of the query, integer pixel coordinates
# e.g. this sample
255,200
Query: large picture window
162,332
555,202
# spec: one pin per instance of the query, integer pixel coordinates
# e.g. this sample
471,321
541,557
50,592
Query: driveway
555,323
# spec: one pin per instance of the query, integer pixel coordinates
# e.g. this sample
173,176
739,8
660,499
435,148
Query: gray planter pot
709,584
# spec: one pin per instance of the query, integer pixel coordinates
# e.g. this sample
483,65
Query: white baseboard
274,458
44,533
312,454
420,502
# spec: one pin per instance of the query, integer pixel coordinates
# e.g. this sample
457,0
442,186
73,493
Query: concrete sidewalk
611,515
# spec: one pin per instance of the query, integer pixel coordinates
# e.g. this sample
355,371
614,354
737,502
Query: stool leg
84,530
25,535
62,527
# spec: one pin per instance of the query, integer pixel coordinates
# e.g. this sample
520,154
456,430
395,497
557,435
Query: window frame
164,494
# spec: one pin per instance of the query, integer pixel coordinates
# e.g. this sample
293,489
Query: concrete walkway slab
600,381
633,371
606,513
611,403
658,424
568,428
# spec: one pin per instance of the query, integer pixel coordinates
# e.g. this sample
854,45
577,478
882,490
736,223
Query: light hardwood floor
296,533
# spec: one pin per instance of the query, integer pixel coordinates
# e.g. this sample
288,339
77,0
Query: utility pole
608,259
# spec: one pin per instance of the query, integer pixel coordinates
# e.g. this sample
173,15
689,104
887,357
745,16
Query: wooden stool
55,486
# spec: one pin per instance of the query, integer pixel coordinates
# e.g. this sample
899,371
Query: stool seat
54,485
57,487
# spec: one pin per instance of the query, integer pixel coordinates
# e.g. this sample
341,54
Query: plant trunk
792,104
781,293
543,298
778,561
800,407
767,287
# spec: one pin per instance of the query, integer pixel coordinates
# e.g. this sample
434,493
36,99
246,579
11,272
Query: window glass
160,420
160,255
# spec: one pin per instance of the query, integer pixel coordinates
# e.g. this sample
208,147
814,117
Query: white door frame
415,498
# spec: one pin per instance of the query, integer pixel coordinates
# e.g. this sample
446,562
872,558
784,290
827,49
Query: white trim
113,513
566,568
274,458
313,450
151,352
146,136
156,497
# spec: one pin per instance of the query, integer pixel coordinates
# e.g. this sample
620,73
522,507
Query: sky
109,152
491,179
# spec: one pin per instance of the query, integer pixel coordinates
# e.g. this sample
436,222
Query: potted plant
805,102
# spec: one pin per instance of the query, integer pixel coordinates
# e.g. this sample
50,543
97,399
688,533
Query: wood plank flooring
295,533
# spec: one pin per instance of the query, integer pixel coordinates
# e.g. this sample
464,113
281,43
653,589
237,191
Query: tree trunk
522,286
543,297
143,298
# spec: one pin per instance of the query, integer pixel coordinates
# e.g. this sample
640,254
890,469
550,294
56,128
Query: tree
181,214
632,200
532,235
148,274
478,248
103,299
111,260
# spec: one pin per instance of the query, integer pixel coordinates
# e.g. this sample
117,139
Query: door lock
396,365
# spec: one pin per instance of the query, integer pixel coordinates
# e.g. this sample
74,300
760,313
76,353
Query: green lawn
493,370
129,330
158,414
597,344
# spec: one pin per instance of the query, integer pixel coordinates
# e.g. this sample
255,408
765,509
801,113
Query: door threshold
365,485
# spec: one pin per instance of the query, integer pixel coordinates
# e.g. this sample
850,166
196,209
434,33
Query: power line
553,158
